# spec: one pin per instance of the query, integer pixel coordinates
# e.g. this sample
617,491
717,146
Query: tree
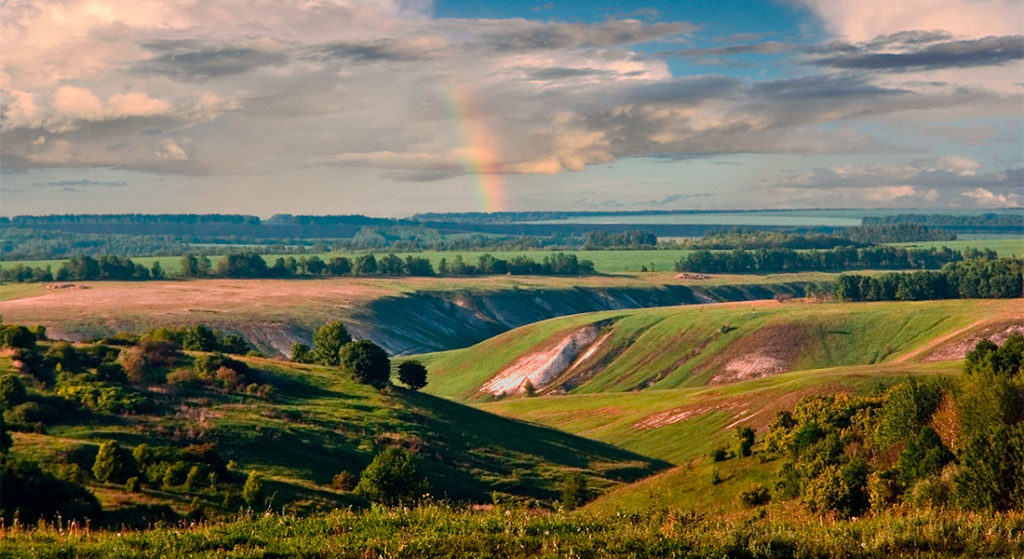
393,478
412,374
744,440
200,338
190,266
301,353
574,490
114,463
327,341
367,361
252,491
12,391
157,271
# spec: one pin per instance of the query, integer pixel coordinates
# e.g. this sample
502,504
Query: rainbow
479,150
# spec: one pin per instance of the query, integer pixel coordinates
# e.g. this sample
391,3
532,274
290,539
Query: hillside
403,315
313,423
709,345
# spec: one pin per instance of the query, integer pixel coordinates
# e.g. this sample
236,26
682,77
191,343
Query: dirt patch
767,351
540,368
959,347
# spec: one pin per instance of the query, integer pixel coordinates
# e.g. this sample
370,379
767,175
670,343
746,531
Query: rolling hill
710,345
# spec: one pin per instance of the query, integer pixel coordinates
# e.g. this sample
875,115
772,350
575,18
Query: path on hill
935,343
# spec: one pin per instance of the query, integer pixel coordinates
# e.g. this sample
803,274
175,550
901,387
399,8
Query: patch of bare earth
540,368
767,351
958,347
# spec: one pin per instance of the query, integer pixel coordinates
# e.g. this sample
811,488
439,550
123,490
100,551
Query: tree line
839,258
970,279
250,264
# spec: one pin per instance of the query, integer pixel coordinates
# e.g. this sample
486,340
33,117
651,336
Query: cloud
767,47
525,36
866,19
988,51
206,63
81,182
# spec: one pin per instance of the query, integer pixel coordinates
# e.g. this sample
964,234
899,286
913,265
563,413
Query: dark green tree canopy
412,374
328,340
367,361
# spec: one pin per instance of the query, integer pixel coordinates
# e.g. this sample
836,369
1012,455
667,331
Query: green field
797,218
1005,246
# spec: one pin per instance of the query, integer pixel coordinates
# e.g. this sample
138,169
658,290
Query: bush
344,481
12,391
719,455
574,490
393,478
253,492
133,485
412,374
35,494
744,440
756,495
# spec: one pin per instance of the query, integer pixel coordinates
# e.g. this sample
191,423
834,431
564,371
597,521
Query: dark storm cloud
556,73
574,35
827,88
189,64
988,51
768,47
685,90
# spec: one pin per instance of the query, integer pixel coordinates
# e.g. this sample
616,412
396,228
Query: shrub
301,353
756,495
716,477
719,454
344,481
393,478
35,494
574,490
252,491
744,440
412,374
133,485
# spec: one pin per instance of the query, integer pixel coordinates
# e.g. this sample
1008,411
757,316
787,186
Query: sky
391,108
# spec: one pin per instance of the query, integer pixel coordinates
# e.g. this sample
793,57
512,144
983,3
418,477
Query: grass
1004,246
687,346
441,532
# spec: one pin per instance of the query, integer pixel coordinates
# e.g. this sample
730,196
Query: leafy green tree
114,463
157,271
924,455
412,374
744,440
301,353
393,478
328,341
190,266
194,478
253,492
367,361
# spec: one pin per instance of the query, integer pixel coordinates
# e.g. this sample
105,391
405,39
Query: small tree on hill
744,440
393,478
413,374
327,341
114,463
367,361
252,491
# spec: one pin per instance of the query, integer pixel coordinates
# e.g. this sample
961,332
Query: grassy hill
710,345
318,423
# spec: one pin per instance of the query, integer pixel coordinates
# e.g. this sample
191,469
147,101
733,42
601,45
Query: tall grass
440,531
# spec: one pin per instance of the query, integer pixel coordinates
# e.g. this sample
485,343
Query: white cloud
863,20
